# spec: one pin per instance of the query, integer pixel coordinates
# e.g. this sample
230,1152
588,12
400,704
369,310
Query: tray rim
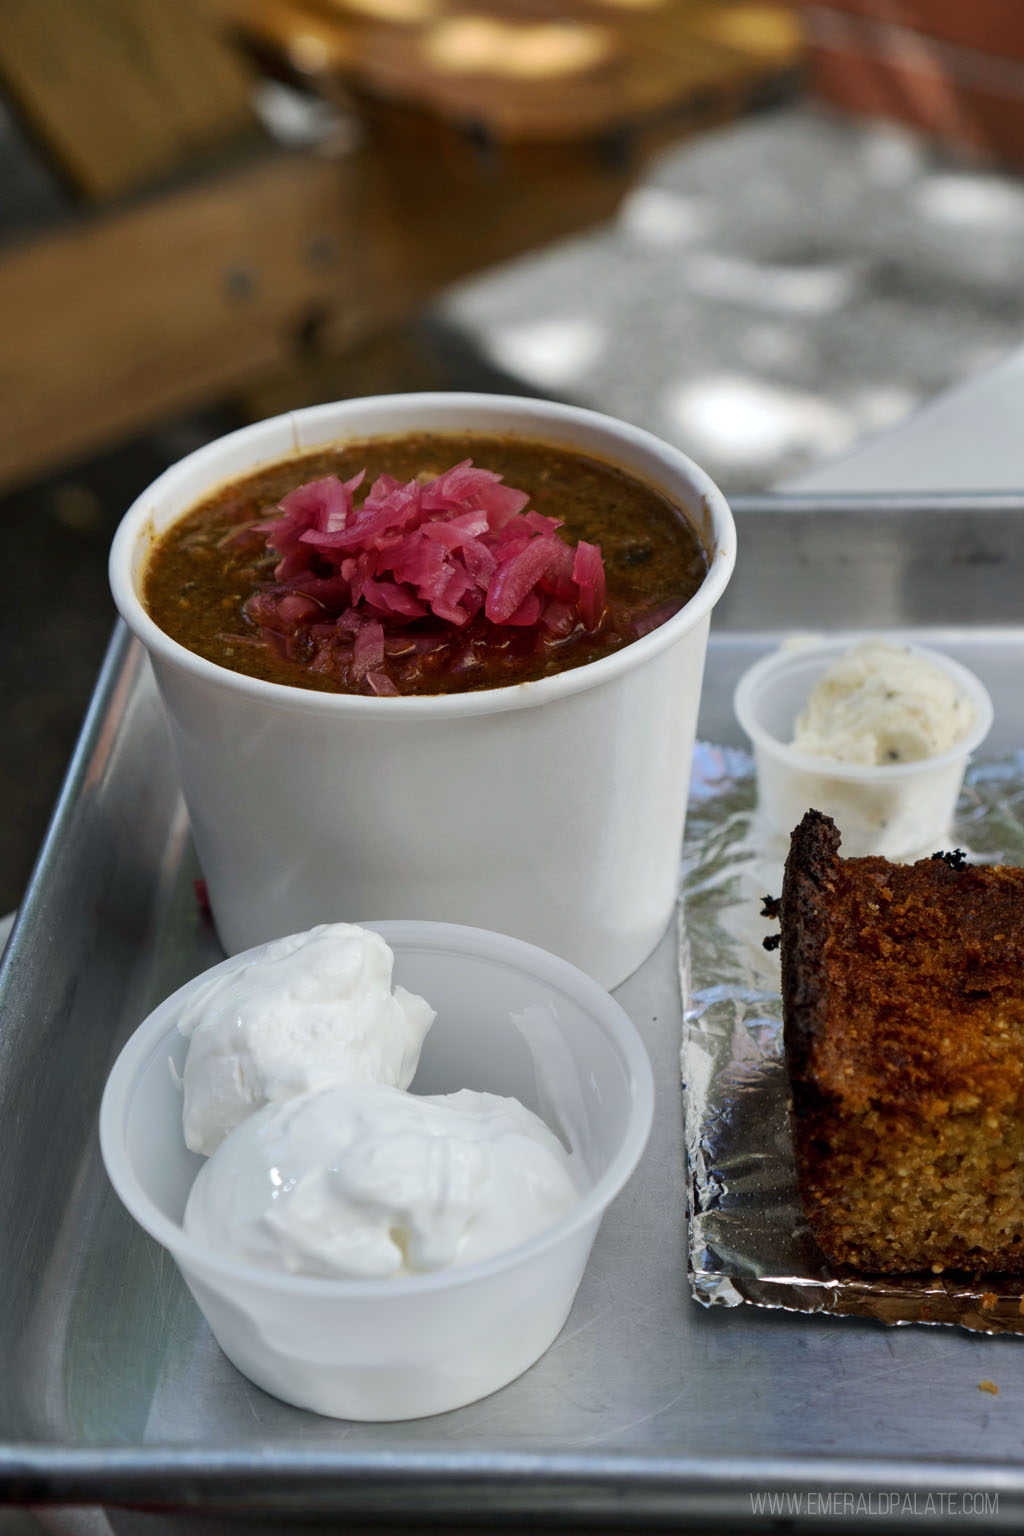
559,1485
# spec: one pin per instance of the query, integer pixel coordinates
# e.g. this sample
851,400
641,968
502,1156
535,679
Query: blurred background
763,229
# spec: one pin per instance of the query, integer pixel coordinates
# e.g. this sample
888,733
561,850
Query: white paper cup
898,810
511,1020
552,810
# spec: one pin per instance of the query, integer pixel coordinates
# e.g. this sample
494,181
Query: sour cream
320,1161
362,1181
305,1011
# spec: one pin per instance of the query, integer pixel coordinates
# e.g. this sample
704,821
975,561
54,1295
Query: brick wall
954,68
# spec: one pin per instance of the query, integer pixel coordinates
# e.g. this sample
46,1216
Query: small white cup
899,810
552,810
511,1020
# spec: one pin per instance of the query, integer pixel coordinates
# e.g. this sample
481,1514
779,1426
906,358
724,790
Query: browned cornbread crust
903,1006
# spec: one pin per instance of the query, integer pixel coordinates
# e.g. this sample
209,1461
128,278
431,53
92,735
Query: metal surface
648,1407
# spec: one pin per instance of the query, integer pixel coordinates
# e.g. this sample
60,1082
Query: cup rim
457,939
883,773
537,415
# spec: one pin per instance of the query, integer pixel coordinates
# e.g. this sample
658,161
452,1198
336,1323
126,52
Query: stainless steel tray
649,1407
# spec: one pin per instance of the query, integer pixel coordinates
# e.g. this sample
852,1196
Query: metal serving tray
648,1408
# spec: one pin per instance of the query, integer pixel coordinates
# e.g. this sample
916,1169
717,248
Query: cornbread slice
903,1005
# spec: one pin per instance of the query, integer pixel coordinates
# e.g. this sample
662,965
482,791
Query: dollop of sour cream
362,1181
319,1160
307,1010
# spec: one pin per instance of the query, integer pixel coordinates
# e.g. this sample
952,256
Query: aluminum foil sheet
748,1240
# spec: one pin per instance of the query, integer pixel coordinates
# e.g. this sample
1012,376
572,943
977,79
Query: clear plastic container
511,1019
900,810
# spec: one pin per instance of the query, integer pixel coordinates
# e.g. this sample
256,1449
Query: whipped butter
882,703
307,1010
362,1181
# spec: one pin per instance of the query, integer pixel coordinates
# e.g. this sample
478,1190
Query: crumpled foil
748,1239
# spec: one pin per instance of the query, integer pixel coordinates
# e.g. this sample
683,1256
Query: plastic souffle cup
512,1020
552,810
899,810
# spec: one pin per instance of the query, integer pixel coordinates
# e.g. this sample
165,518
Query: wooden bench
156,296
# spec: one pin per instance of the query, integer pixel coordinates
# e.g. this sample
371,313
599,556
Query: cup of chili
398,687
